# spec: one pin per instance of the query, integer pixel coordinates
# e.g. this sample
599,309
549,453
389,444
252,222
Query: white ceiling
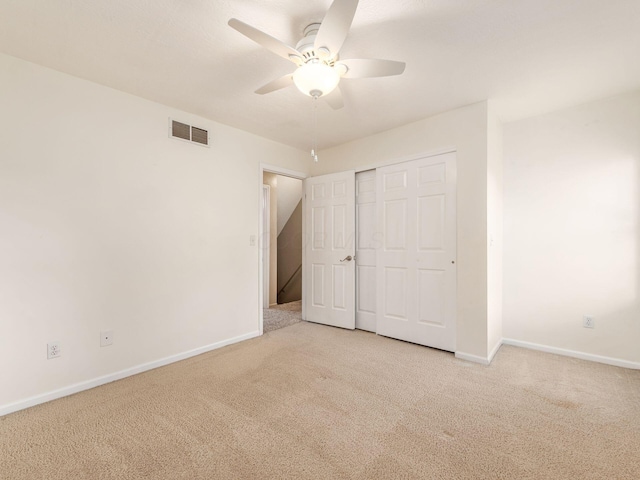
531,56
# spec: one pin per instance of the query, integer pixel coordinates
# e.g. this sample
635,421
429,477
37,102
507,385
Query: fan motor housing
309,37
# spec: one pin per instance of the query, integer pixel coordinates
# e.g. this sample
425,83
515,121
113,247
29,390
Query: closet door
367,240
416,271
328,268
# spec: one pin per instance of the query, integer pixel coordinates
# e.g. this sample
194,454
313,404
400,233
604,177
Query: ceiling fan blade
335,26
277,84
364,67
334,99
267,41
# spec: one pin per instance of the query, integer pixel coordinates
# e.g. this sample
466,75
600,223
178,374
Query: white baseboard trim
617,362
112,377
472,358
478,359
493,352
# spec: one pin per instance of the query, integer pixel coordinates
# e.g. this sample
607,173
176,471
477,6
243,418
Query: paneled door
416,271
329,266
367,241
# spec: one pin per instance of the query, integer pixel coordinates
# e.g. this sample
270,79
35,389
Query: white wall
572,228
106,223
494,231
465,130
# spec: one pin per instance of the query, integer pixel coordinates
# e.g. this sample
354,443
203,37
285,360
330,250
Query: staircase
290,258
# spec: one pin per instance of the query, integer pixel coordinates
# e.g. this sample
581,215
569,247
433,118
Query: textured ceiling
531,56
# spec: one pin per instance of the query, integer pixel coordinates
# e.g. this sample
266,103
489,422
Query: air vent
199,135
187,132
180,130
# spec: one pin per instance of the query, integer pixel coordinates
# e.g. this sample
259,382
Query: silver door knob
348,258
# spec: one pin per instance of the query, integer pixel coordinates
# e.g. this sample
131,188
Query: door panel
395,180
431,174
395,300
339,227
366,220
416,272
339,280
317,285
329,279
368,240
431,296
431,222
317,215
395,224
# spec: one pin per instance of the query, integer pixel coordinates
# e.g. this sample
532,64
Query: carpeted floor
280,316
310,401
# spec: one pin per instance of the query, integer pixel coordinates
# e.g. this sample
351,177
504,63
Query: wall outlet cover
588,321
53,350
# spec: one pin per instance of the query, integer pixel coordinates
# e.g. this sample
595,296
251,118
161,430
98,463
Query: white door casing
265,243
416,271
328,267
368,239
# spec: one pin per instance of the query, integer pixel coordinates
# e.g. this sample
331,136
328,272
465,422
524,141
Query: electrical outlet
106,338
588,322
53,350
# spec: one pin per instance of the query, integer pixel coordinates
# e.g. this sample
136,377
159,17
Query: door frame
265,242
265,167
407,158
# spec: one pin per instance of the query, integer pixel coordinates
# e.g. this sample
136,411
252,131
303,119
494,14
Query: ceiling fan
316,56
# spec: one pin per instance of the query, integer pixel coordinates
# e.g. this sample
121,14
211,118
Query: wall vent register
188,132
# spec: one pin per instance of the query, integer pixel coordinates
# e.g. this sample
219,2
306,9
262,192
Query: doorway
281,248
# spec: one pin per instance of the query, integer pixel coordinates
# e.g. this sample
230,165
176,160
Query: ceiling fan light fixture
316,78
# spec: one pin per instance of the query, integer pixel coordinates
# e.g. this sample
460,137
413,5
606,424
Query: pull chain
314,127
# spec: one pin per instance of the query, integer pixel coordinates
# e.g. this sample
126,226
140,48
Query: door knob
348,258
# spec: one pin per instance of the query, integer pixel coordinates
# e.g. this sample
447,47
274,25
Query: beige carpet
309,401
280,316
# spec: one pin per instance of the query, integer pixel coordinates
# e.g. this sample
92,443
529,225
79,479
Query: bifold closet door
416,271
328,266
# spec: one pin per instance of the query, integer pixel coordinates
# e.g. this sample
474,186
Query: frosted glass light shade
316,79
